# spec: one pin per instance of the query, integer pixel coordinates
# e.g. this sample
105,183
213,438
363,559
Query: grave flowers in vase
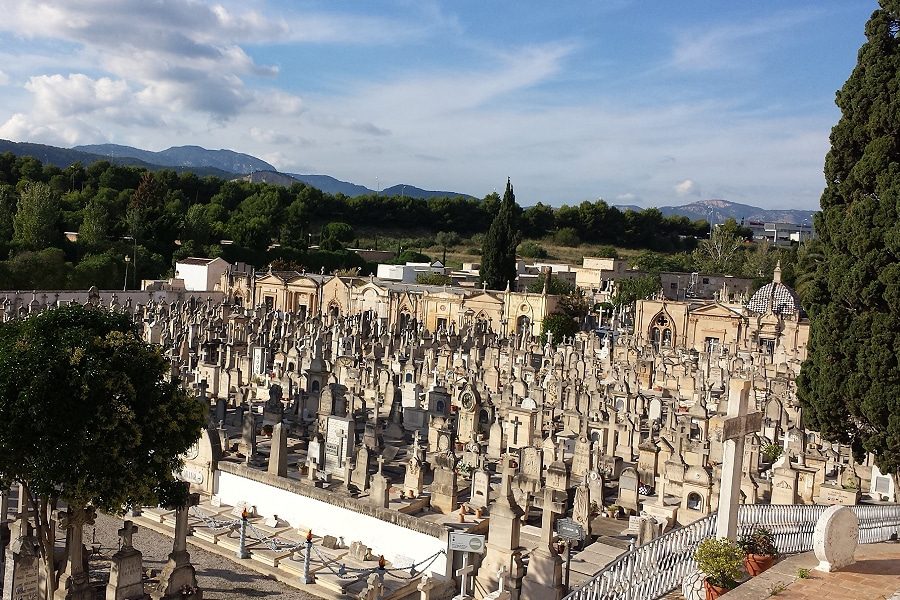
759,546
721,560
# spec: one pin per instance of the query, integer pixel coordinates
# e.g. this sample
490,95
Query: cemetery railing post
242,544
307,557
568,562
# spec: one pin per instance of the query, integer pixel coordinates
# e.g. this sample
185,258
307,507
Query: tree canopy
87,415
849,385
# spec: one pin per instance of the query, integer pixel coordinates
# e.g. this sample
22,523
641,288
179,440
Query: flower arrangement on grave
772,452
612,511
721,560
759,545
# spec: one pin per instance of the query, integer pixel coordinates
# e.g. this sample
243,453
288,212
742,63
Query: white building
200,274
409,272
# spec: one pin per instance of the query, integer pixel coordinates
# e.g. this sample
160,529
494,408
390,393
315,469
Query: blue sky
647,103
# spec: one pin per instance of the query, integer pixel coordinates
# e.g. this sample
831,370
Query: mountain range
228,164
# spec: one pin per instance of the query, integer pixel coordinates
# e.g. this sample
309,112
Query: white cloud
687,187
4,78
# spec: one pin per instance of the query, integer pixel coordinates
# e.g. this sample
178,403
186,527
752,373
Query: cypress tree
849,385
498,254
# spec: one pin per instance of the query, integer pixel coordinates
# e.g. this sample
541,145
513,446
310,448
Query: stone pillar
278,453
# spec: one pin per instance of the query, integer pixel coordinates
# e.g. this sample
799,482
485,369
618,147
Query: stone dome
776,296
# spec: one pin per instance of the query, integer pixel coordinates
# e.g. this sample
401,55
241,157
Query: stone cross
380,463
181,523
736,426
463,574
126,533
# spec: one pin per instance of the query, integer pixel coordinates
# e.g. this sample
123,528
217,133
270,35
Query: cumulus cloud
687,187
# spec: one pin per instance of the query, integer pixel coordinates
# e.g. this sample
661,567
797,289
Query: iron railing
659,566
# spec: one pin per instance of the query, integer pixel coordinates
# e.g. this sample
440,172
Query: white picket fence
659,566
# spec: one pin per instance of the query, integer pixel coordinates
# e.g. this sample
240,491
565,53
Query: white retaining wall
396,543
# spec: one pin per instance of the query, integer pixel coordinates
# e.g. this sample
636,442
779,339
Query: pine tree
850,384
498,254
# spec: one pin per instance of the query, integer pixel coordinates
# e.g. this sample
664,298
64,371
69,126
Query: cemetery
368,445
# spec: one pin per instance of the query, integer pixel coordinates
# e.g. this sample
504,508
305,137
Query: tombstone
360,476
835,538
127,570
628,489
543,581
339,443
581,510
22,566
247,446
380,486
373,589
414,478
221,410
443,490
360,552
481,488
278,452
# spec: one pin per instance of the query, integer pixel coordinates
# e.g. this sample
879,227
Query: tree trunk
46,538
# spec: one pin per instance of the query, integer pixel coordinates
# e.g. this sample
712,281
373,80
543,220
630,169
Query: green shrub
567,236
531,250
721,560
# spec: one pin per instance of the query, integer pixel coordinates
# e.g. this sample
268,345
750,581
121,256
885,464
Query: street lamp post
125,283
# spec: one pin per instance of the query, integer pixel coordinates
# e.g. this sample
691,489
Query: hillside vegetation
157,217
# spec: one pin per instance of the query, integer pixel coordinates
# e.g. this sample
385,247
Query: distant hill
402,189
721,210
185,156
330,185
63,157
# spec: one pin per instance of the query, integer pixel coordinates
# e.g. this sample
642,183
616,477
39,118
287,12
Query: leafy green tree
567,236
295,227
559,325
88,416
556,286
849,386
498,254
106,271
629,291
45,269
37,218
8,200
656,263
721,253
94,230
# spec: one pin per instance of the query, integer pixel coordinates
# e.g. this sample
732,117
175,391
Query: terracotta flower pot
713,591
757,563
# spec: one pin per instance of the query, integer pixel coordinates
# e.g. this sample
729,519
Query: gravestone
481,488
628,489
22,563
178,573
126,569
278,452
835,538
339,440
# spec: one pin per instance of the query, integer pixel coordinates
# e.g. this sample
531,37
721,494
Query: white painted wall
385,538
201,277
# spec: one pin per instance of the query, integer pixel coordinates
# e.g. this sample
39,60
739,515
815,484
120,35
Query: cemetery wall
394,534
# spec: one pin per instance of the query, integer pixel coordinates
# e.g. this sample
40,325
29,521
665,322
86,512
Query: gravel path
220,578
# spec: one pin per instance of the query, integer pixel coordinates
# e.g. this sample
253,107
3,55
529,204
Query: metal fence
659,566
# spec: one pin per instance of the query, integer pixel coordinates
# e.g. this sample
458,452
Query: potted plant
612,511
759,546
720,559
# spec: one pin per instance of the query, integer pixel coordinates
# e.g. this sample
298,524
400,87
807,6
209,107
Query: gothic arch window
314,387
662,331
523,325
